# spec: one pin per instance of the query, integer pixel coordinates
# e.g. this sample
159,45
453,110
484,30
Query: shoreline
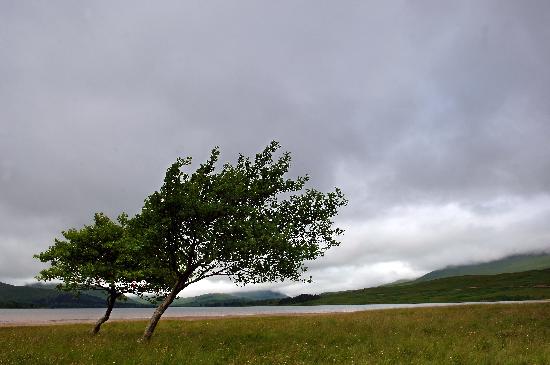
182,318
57,322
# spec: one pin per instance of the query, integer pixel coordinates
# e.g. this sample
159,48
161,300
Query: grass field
477,334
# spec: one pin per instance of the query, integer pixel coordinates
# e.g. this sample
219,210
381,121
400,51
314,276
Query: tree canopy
95,257
244,221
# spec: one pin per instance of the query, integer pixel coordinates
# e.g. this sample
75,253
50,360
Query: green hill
46,296
39,295
527,285
519,277
508,264
228,300
94,293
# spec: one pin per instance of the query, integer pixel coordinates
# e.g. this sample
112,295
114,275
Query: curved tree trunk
160,311
111,299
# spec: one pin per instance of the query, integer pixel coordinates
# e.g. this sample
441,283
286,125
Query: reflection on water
15,316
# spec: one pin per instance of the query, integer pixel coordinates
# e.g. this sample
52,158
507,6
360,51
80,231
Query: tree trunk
160,311
111,299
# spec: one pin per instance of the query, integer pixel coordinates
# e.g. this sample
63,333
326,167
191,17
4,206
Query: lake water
67,315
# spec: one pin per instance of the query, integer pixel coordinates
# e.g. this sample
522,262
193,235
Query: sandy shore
54,322
186,318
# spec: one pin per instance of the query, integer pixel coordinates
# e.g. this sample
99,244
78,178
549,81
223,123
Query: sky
432,117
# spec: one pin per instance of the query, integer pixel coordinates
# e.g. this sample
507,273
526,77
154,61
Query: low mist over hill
526,285
517,263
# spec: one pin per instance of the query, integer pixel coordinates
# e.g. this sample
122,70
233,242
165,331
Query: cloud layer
432,117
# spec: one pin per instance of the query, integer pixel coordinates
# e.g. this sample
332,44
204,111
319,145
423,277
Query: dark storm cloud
417,110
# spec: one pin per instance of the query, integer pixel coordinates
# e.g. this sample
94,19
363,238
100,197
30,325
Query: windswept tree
244,221
96,257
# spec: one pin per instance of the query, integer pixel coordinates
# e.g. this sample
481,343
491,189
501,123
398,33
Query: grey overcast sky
432,116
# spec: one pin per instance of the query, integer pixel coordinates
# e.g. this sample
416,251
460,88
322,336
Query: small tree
245,221
96,257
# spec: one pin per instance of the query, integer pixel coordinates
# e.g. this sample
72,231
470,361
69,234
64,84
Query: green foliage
96,257
245,221
528,285
480,334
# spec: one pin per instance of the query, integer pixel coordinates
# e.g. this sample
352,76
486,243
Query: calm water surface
39,316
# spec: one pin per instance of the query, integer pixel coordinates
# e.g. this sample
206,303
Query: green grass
528,285
478,334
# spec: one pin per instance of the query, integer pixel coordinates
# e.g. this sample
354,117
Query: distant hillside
527,285
228,300
509,264
46,296
94,293
39,295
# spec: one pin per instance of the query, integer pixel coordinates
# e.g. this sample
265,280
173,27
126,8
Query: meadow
474,334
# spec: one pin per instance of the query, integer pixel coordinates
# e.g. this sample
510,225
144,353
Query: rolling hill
228,300
46,296
519,277
527,285
510,264
39,295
